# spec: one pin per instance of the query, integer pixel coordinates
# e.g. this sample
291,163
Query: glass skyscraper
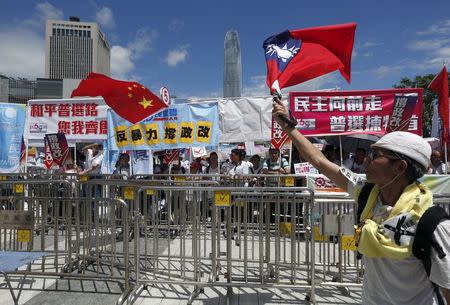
232,72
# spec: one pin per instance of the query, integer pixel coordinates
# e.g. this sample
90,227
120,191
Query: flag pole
290,121
445,153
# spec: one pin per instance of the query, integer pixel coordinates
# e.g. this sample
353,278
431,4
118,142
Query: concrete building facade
74,49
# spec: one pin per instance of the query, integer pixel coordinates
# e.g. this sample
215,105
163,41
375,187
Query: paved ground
51,291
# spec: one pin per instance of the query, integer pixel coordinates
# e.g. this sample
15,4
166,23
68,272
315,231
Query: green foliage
428,98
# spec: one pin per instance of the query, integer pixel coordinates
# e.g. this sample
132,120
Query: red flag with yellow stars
130,100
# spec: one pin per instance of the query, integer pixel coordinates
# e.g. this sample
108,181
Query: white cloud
176,25
177,56
124,57
23,53
370,44
121,63
442,27
258,86
105,17
324,82
383,71
428,44
41,13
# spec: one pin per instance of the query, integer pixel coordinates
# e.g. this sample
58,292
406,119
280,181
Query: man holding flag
394,199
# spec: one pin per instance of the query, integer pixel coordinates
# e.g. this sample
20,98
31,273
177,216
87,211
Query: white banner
79,119
245,119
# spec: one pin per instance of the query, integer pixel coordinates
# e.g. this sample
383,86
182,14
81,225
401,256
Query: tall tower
232,72
73,49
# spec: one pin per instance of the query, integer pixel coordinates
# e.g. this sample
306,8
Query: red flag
293,57
130,100
440,85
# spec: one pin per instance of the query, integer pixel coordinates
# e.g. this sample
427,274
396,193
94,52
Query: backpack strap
362,198
362,202
424,240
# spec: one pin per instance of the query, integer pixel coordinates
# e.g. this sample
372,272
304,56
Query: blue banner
12,125
179,126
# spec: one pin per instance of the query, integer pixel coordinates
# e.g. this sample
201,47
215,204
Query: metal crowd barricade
82,234
228,246
334,218
442,200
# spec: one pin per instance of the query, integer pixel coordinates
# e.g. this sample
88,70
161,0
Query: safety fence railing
188,230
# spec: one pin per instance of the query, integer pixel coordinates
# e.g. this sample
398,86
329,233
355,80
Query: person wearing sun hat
393,275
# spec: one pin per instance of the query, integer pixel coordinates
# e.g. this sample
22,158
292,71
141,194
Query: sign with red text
352,112
278,136
58,147
48,162
78,119
171,155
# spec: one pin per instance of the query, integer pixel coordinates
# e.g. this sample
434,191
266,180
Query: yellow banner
152,134
170,133
204,131
137,135
121,135
187,132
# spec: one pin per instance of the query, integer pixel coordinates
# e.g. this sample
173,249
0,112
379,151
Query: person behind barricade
123,165
395,202
196,166
358,162
236,167
213,164
256,167
275,165
40,160
329,151
437,166
94,159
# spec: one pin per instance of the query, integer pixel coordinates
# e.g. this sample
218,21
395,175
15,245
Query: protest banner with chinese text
79,119
59,149
180,126
351,112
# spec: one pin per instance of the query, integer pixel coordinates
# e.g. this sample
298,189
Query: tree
428,98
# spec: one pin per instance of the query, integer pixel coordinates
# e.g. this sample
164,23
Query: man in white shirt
94,158
357,163
393,275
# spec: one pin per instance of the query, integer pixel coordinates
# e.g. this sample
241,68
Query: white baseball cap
408,144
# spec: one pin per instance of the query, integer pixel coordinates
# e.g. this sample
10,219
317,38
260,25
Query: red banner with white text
352,112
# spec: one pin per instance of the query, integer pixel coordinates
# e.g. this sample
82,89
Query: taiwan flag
130,100
293,57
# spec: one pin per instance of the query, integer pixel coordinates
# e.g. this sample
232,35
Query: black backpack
423,240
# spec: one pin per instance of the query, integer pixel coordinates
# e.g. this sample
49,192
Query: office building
74,49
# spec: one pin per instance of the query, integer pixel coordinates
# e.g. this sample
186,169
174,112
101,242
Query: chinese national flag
293,57
440,85
130,100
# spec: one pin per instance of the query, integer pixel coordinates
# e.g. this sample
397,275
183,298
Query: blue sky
179,44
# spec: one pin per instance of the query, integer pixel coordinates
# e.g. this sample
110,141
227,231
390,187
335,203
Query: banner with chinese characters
12,123
79,119
350,112
180,126
59,149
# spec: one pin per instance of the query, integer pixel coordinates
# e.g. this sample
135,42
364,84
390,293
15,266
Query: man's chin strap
390,182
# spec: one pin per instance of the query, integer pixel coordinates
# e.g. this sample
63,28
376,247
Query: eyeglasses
374,154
